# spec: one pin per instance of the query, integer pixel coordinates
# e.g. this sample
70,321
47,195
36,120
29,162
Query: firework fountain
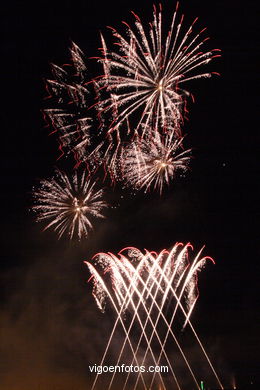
139,288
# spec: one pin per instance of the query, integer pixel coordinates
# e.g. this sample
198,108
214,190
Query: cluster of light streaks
142,284
140,107
138,95
69,203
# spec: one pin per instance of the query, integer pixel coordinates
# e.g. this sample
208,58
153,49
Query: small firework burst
152,163
69,203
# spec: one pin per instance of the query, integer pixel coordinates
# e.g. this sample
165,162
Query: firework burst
146,165
69,204
146,73
70,119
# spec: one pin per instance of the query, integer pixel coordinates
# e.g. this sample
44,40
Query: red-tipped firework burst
70,118
144,76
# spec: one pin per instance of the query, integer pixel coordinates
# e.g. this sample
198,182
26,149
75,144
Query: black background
50,327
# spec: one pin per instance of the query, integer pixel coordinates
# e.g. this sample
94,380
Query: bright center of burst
76,205
160,164
160,86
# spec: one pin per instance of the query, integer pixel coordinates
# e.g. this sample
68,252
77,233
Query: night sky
51,329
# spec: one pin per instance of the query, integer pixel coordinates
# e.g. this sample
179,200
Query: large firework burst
145,74
153,163
68,203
